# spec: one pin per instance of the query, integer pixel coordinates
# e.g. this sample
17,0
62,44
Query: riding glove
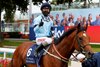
41,24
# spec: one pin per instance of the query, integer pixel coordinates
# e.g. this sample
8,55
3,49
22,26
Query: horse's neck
65,47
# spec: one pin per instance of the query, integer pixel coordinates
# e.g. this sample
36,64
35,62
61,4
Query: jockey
42,28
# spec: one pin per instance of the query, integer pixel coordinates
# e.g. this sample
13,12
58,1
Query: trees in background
10,6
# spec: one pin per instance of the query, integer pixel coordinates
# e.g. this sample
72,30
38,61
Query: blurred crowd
68,20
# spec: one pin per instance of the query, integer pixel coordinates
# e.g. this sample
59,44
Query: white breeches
43,40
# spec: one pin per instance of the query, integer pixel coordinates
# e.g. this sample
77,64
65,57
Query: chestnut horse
59,53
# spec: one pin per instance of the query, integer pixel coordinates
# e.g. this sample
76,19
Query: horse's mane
79,27
67,33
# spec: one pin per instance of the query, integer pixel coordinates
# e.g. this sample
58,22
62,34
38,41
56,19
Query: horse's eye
80,38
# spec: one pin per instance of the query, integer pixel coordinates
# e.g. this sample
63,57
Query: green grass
95,47
8,55
12,42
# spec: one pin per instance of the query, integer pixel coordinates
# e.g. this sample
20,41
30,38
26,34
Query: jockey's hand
41,24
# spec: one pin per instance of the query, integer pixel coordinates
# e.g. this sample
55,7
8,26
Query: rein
59,53
59,58
62,58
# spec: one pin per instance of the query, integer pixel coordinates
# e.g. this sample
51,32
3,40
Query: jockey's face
45,11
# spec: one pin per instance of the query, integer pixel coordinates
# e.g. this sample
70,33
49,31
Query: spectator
64,22
63,15
97,21
81,17
54,23
84,22
57,21
78,21
71,23
89,21
71,16
31,20
25,28
3,25
51,17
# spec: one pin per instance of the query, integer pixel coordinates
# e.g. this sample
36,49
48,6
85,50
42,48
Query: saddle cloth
31,59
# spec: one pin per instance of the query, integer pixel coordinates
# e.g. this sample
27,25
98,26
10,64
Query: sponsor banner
31,34
92,31
57,31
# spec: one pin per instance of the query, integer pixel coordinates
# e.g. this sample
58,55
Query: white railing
6,50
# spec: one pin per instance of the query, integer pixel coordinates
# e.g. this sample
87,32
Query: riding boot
38,49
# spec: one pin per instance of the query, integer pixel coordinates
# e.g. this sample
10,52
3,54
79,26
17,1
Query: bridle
82,47
64,59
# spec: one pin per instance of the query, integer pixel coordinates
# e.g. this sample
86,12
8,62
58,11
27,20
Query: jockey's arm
36,27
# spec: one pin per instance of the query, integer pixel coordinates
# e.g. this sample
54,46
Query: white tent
35,9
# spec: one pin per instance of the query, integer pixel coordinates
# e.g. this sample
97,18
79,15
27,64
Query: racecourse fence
5,60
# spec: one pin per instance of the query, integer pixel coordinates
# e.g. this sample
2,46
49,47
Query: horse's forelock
82,28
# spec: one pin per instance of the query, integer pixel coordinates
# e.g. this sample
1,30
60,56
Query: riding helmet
46,5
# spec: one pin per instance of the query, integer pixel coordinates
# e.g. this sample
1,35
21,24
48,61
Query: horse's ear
78,26
86,26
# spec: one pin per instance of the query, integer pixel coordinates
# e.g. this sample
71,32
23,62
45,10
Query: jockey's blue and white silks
94,61
44,30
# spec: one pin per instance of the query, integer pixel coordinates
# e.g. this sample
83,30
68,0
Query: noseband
82,47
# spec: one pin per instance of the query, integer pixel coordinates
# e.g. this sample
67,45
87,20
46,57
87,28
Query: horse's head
82,40
75,38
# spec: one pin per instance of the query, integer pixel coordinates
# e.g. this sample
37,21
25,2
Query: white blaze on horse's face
84,34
